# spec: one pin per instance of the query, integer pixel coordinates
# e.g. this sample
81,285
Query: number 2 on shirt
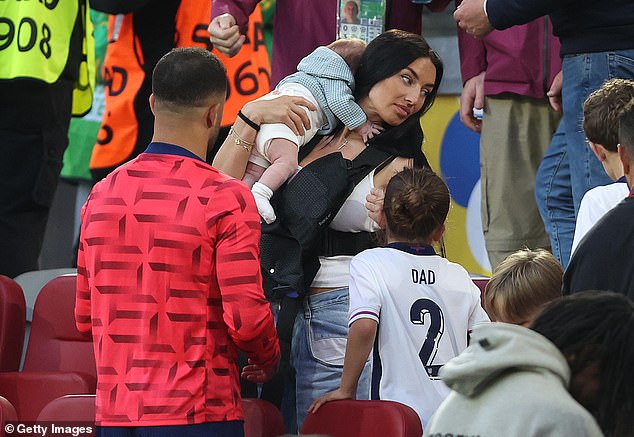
422,312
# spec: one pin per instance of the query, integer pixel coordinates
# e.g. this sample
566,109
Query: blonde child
522,285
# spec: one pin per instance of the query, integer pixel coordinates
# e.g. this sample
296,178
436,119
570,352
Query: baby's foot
262,195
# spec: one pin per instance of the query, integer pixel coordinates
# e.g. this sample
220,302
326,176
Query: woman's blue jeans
318,348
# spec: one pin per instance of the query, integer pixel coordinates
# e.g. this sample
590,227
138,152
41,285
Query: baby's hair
602,111
416,204
521,285
350,49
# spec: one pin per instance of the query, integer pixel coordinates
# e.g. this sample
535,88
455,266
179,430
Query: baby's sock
262,195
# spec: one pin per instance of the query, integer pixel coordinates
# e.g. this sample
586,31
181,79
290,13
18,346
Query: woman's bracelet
240,142
248,121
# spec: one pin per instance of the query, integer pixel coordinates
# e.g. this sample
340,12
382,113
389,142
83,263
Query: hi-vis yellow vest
35,44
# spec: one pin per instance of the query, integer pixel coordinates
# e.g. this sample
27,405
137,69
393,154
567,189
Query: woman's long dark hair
385,56
597,327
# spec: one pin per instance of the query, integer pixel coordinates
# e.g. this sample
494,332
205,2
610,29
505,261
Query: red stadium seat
12,324
348,418
59,359
70,408
55,343
7,414
261,419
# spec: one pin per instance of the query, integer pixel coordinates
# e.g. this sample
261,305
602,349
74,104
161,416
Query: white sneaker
262,195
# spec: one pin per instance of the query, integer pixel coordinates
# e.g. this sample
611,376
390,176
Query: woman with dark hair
396,82
574,363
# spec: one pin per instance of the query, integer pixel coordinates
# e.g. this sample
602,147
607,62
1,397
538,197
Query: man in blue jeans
597,43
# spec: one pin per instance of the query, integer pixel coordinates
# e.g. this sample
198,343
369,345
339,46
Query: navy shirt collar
413,249
170,149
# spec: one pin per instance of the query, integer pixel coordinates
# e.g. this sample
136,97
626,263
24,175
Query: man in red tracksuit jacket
168,272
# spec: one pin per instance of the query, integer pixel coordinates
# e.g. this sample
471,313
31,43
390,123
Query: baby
326,78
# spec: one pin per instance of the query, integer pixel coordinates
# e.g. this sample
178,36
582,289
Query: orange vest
248,73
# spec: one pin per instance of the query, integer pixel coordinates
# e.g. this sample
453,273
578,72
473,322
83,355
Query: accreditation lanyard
363,19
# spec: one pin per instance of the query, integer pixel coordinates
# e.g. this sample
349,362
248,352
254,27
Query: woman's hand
374,205
332,396
288,110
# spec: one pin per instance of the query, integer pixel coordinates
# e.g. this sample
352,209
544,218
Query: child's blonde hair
521,285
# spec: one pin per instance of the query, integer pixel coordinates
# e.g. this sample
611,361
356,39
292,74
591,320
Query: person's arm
229,24
360,341
365,307
233,155
500,14
82,294
118,6
508,13
473,64
235,225
240,10
472,97
473,55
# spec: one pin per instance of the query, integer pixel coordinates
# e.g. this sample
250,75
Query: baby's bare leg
252,173
283,156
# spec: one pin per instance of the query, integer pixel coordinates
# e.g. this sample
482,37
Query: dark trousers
208,429
34,119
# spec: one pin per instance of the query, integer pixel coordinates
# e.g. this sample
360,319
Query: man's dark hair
188,77
597,327
626,129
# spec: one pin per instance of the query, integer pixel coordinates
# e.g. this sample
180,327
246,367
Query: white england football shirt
425,306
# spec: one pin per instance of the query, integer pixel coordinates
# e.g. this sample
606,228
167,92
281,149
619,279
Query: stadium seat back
12,324
347,418
261,419
55,344
70,408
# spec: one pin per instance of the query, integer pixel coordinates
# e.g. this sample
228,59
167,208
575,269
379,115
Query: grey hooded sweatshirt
510,381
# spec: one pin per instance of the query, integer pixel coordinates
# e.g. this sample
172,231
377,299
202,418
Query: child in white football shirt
422,305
